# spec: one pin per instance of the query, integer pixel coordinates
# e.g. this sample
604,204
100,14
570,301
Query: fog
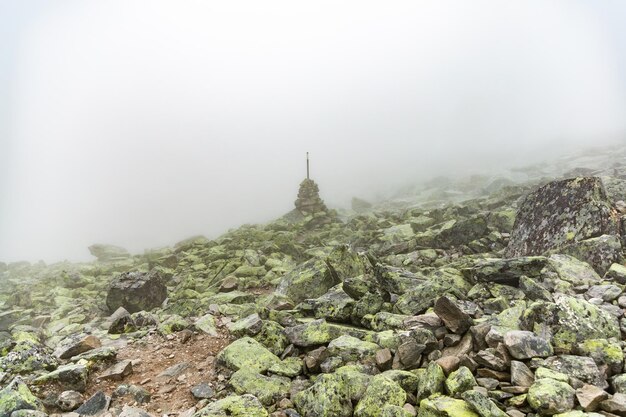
143,122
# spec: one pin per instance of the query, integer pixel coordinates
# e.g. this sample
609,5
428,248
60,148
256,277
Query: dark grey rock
136,291
95,405
202,391
451,314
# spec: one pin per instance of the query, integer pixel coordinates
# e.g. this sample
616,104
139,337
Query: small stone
121,321
75,345
118,371
615,404
549,396
174,371
453,317
521,375
449,363
230,283
482,404
69,400
525,345
589,397
384,359
94,406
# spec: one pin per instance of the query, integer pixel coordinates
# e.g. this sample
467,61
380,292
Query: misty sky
142,122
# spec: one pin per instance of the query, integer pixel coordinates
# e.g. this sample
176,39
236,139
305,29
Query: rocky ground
485,296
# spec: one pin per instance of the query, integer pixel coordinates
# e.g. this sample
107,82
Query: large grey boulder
560,213
136,291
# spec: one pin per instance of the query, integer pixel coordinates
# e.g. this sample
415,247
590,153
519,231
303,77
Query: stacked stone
309,201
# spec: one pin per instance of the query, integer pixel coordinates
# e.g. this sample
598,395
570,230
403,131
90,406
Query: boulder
108,252
570,320
268,390
246,353
16,396
599,252
482,404
380,391
311,279
443,406
97,404
234,406
549,396
71,376
526,345
136,291
328,397
559,213
350,348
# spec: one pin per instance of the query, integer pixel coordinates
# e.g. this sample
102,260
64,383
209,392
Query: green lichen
442,406
380,391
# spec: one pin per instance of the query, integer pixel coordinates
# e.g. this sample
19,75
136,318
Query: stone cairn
310,205
309,201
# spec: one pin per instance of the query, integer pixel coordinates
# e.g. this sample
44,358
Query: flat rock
118,371
523,344
451,314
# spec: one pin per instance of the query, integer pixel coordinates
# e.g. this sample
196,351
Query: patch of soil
154,354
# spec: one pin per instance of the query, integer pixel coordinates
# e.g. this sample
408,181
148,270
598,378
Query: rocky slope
486,296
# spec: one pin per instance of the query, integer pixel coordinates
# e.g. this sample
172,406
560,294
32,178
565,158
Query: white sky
142,122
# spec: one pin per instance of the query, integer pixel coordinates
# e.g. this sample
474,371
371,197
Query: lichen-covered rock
289,367
442,406
522,344
559,213
579,367
316,332
328,397
460,381
234,406
380,391
16,396
335,305
267,389
351,349
25,353
207,324
272,337
136,291
570,320
505,271
246,353
603,352
549,396
71,376
617,273
432,382
599,252
311,279
395,411
482,404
